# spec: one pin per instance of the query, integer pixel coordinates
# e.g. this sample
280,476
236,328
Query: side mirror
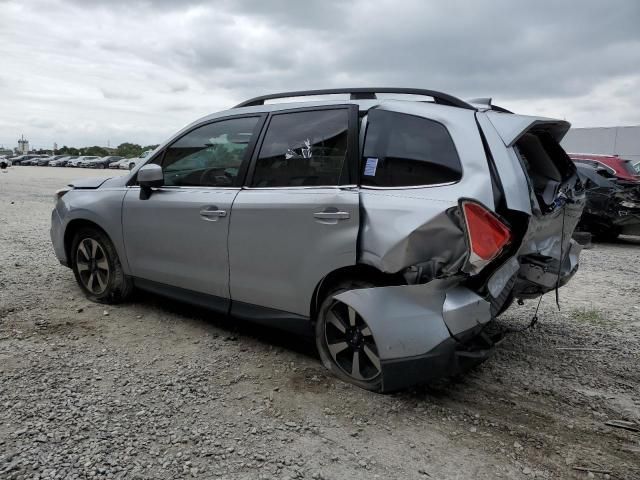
149,176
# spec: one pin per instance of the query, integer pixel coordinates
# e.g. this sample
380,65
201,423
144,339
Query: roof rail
362,94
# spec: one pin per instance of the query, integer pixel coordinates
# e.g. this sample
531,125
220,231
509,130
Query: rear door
178,236
297,219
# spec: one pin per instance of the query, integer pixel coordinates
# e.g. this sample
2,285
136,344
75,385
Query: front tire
97,267
345,342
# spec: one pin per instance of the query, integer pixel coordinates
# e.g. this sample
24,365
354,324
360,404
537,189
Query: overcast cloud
83,72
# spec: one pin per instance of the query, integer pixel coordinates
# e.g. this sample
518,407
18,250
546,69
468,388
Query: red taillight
487,234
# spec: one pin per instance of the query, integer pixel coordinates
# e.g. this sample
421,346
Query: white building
621,141
23,145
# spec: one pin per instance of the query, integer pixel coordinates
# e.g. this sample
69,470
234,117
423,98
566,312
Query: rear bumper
539,275
423,331
451,357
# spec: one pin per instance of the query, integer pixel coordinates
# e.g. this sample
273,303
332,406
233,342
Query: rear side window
403,150
303,149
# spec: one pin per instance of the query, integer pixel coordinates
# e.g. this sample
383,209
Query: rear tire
345,342
97,267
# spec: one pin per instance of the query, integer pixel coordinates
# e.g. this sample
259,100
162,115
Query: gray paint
271,250
511,127
101,206
463,310
501,277
423,311
399,228
512,175
279,251
399,224
150,173
184,248
88,182
544,279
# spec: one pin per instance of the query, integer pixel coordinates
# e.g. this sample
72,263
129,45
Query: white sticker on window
370,167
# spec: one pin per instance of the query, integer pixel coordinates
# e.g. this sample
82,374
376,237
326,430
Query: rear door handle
212,213
330,215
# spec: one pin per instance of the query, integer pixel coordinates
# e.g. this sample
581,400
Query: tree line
127,150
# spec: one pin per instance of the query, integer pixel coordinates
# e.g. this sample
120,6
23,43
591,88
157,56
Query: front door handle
212,213
332,215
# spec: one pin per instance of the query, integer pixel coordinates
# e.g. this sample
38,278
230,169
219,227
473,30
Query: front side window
403,150
209,156
303,149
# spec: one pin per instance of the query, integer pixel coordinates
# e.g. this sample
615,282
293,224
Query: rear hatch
540,190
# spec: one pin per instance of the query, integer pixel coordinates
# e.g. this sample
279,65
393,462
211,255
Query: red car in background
617,167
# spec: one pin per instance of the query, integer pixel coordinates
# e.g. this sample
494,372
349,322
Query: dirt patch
157,389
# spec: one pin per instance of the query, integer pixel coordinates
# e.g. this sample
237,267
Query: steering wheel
216,177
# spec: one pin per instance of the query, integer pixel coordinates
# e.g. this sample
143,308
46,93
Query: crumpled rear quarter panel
405,226
403,231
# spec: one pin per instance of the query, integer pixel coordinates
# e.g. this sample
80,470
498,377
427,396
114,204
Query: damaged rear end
473,208
611,209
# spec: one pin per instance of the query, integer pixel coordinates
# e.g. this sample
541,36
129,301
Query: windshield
629,168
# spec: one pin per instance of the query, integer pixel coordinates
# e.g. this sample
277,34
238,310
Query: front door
298,217
178,236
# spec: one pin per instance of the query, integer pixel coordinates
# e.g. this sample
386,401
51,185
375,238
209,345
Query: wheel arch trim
71,228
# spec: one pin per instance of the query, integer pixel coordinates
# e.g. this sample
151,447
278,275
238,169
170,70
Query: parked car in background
62,161
46,160
620,169
42,161
34,160
116,165
102,162
77,161
23,158
611,209
131,163
393,231
5,161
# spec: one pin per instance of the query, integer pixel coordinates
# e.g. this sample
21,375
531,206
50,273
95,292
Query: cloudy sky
85,72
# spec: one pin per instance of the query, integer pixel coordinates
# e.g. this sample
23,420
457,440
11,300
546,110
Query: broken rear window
404,150
547,165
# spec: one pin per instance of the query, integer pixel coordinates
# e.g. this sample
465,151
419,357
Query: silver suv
392,230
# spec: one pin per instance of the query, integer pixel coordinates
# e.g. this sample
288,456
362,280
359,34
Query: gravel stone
155,390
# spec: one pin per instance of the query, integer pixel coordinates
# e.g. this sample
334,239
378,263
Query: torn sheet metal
412,320
548,250
464,310
408,226
501,277
401,231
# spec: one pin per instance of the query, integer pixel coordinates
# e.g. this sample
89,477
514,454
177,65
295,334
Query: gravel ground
157,389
